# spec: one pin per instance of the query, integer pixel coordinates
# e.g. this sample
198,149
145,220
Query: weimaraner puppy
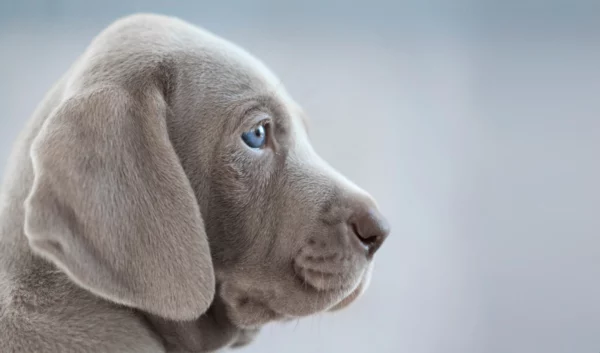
165,198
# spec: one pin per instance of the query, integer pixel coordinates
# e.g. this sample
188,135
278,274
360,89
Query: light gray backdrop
475,124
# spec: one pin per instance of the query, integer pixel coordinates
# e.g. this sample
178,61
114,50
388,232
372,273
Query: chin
356,293
251,306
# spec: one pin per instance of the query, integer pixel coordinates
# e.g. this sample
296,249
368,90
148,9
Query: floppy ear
112,207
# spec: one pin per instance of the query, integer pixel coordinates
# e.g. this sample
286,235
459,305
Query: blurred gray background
475,124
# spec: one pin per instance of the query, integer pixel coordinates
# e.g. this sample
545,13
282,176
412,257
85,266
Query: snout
364,227
338,255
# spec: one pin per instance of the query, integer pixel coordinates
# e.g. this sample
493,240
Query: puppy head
289,235
179,166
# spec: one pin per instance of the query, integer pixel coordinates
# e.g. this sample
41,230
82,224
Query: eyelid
264,122
260,119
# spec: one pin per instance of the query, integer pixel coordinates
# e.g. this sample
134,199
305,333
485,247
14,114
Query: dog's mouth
324,279
356,293
329,270
335,281
321,281
251,308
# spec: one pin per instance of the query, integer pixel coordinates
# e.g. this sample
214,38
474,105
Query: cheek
241,205
246,174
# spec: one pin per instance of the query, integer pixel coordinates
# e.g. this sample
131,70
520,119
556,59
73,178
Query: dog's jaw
211,332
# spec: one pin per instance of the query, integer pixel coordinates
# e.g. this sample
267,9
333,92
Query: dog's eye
257,137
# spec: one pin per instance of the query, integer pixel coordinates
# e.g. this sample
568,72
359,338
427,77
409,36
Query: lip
357,292
349,299
318,280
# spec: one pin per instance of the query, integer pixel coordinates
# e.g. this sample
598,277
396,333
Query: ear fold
112,207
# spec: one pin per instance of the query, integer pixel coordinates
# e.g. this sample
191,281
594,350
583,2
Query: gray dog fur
134,219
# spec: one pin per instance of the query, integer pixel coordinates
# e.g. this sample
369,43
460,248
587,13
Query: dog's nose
370,228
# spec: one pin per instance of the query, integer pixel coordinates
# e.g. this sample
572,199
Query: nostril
366,240
369,243
370,229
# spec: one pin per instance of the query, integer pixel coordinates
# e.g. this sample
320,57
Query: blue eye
255,138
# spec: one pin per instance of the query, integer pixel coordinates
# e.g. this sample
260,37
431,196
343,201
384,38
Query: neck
210,332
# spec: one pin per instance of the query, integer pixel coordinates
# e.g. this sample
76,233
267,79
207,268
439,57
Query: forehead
237,64
244,78
226,73
283,111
